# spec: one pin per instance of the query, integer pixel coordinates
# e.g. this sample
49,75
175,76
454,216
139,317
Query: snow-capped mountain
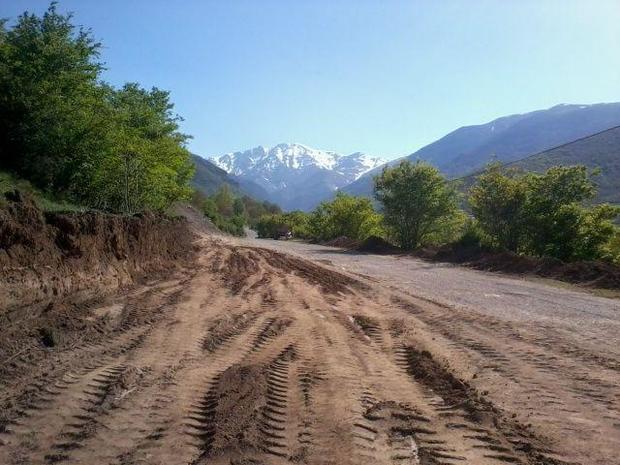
296,176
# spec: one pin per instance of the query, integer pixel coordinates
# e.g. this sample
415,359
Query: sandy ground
258,357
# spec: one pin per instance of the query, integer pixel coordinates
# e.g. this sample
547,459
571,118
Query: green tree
497,201
224,200
146,164
52,111
417,202
558,223
270,225
239,207
67,132
611,250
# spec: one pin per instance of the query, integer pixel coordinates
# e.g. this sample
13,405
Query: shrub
345,215
543,214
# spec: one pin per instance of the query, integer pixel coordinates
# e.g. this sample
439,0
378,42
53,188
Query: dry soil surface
260,357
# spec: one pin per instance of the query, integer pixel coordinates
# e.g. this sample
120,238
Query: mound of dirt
343,242
377,245
331,282
47,255
196,219
232,408
590,273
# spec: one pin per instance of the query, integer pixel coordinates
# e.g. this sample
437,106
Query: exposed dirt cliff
46,255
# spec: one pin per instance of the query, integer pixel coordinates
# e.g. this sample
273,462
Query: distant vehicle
283,233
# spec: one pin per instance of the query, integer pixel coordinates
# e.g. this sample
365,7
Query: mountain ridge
294,175
505,139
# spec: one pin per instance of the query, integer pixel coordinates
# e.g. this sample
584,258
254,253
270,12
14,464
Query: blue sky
383,77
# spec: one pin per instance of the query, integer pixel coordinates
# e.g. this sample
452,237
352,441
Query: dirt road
257,357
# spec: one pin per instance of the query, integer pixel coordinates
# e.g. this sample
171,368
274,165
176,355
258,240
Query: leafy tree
611,250
417,201
52,112
497,201
239,207
224,199
299,223
346,215
67,132
271,225
551,209
147,164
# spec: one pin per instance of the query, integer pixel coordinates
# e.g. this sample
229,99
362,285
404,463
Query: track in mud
259,358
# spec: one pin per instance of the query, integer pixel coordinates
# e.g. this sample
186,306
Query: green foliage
224,200
497,202
68,133
543,214
271,226
418,203
229,213
611,250
146,164
255,210
346,215
45,201
274,225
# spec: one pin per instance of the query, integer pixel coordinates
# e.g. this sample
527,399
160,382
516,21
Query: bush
543,214
497,201
611,250
346,215
274,225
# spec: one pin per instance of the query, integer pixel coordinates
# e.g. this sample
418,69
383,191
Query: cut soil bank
594,274
44,256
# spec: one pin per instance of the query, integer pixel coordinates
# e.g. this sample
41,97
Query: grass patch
45,201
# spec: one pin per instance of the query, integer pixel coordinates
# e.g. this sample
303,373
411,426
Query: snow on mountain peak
294,157
285,166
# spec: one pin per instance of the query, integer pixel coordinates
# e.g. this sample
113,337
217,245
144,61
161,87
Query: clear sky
383,77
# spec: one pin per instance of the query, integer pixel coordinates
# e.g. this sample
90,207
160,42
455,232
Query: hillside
507,139
295,176
208,178
601,150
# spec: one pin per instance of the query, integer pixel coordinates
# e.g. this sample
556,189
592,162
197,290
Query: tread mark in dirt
274,412
225,329
272,328
99,392
510,442
370,327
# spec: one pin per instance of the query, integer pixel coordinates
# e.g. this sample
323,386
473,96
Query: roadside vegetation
230,213
77,139
543,215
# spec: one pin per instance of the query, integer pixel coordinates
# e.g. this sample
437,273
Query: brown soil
595,274
47,255
343,242
378,245
258,357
